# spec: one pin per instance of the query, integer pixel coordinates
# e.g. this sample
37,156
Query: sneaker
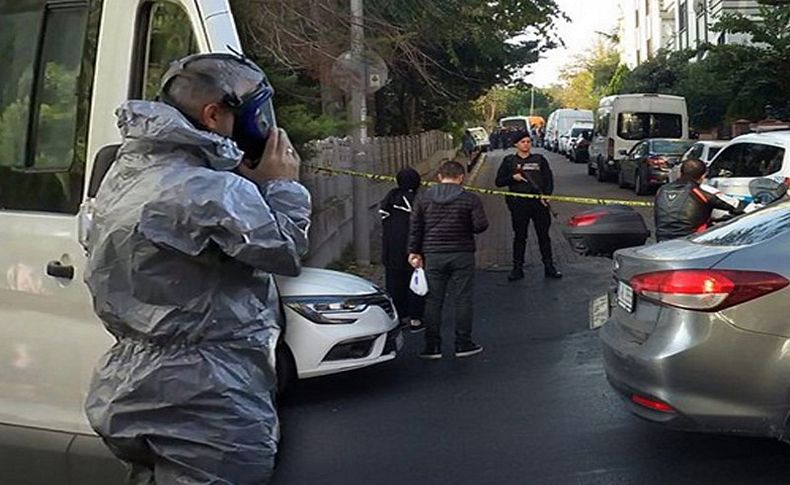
516,274
551,272
431,352
416,326
465,350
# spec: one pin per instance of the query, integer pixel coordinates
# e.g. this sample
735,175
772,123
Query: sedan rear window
638,126
750,229
670,147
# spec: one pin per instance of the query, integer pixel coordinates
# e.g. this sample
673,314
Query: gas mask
253,112
252,121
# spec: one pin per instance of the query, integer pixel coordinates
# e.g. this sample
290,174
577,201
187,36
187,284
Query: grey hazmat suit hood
180,260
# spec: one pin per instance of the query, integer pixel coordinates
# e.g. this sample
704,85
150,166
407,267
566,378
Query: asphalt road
533,408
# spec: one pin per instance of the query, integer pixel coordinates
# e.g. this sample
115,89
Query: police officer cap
520,135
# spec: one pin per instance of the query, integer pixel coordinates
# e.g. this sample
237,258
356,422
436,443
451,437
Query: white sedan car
334,322
702,150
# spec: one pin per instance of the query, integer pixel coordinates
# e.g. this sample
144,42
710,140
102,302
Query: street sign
350,71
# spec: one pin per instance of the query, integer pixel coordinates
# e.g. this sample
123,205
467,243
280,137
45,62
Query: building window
638,57
683,16
636,18
647,8
649,48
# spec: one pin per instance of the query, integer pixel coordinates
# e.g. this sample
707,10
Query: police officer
683,207
528,173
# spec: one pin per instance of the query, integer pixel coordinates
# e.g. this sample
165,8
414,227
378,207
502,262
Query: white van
67,66
560,121
515,123
623,120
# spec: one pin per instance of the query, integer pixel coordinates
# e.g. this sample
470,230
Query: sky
587,17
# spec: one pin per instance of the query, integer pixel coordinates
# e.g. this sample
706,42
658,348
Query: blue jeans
451,277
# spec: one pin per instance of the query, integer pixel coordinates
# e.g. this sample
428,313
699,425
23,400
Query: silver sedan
699,334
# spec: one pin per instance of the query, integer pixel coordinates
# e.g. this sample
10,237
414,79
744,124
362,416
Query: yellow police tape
480,190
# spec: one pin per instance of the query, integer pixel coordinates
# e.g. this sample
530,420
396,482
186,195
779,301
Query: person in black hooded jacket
395,211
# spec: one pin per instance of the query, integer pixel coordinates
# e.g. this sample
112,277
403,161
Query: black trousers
451,281
521,212
406,302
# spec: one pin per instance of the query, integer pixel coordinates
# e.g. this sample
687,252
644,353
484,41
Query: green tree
587,77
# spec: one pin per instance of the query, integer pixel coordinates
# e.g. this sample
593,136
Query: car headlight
328,310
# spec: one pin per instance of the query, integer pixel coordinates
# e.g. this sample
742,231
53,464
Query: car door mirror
623,152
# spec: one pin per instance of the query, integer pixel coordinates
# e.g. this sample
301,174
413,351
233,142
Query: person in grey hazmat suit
187,233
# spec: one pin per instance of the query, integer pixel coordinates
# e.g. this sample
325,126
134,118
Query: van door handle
59,270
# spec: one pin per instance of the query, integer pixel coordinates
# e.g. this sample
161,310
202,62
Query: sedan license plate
599,311
625,297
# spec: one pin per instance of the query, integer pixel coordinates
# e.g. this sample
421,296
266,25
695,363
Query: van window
166,36
602,122
638,126
45,88
748,160
514,124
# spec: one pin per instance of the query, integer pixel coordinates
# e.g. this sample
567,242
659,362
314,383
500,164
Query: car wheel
285,367
590,170
600,174
621,179
639,185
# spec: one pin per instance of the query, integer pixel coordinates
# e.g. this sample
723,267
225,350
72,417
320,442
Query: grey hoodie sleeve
264,227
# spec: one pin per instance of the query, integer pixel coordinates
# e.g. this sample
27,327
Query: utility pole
359,137
532,101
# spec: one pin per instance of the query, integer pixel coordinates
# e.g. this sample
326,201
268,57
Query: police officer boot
516,274
551,272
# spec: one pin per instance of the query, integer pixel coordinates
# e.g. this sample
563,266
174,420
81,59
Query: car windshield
712,151
579,131
751,229
670,147
517,124
638,126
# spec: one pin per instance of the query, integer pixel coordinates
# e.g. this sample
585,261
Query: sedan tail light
706,290
585,219
657,162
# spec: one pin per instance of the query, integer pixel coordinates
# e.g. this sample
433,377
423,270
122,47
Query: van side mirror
104,159
622,151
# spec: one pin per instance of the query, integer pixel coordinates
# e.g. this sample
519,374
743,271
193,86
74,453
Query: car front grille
378,299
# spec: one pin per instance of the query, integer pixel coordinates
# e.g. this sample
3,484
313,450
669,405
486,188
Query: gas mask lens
253,120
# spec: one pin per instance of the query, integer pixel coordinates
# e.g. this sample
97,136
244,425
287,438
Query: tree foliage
440,53
501,101
587,77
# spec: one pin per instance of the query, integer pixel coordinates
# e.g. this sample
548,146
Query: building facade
647,26
650,25
694,20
